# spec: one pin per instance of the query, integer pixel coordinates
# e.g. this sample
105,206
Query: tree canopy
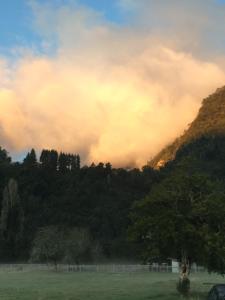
57,191
183,215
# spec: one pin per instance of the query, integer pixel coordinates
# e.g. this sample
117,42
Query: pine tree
30,161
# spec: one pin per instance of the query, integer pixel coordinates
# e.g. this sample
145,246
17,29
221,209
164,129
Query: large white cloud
112,92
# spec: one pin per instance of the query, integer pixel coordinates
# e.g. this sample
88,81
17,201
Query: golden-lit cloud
109,92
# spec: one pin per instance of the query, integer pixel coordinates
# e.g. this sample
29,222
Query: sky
16,20
111,80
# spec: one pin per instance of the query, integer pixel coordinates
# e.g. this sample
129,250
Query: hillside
210,121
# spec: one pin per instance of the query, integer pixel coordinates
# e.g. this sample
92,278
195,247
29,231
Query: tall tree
49,159
4,158
63,162
30,161
12,219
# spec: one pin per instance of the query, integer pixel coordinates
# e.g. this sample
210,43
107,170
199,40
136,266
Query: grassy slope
98,286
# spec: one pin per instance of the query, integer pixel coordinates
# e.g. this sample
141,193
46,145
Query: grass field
46,285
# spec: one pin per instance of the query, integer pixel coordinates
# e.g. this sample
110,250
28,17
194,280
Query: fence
110,268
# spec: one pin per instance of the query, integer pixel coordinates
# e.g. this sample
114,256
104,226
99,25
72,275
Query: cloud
129,5
111,92
193,26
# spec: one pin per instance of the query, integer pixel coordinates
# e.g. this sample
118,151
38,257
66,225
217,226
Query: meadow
49,285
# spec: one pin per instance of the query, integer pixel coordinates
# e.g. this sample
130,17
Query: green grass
43,285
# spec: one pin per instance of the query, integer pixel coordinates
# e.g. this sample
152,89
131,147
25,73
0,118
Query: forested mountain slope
210,121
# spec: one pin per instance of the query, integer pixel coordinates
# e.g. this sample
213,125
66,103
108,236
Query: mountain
210,121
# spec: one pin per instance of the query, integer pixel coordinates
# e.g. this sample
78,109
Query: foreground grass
27,285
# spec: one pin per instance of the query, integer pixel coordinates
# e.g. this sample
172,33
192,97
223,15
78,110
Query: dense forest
55,191
116,214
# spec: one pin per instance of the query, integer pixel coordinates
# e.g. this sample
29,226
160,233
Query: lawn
46,285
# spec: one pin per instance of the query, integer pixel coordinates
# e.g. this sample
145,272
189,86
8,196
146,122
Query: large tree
183,218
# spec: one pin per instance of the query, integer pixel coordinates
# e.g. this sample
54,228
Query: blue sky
16,20
15,24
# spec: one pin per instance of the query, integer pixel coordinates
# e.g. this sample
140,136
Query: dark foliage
57,191
184,212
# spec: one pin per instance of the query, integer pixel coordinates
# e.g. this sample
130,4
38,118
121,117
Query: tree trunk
183,285
56,265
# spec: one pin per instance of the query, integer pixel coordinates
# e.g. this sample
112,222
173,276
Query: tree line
152,215
56,194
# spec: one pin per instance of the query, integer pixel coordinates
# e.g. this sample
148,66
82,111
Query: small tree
78,246
49,245
73,246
